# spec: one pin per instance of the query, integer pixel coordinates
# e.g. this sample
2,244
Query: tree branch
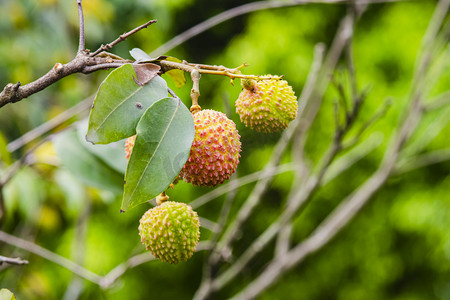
82,63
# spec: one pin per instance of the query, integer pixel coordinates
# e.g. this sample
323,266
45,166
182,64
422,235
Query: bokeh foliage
398,247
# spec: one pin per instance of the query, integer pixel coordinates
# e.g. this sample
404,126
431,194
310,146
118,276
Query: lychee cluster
215,150
170,231
266,105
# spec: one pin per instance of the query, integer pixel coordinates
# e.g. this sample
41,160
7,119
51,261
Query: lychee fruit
266,105
170,231
129,144
215,150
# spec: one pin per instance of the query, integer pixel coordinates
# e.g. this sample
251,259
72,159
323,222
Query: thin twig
378,115
438,101
167,65
122,37
423,160
347,160
81,44
13,261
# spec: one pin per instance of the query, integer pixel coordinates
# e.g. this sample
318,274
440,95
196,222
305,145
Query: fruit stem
195,91
161,198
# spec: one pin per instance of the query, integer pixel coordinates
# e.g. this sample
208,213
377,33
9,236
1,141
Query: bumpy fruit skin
215,150
170,231
266,105
129,143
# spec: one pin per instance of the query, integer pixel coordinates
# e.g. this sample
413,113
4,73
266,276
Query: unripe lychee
129,144
266,105
170,231
215,150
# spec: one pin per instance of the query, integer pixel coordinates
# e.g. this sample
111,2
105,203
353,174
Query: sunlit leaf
120,103
6,295
164,137
176,75
139,54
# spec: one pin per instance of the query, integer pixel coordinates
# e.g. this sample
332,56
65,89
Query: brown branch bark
82,63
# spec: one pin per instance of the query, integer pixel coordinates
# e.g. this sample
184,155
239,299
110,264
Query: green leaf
163,142
6,295
26,192
84,165
112,154
119,104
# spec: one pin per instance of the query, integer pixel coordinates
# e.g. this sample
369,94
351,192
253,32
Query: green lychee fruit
266,105
170,231
215,150
129,144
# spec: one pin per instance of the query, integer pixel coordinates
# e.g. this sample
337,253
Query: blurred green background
398,247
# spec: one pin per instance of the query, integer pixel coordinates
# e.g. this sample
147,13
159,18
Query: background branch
342,215
53,257
238,11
